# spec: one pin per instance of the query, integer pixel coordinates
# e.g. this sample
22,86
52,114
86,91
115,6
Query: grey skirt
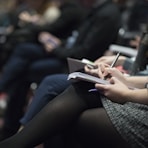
130,120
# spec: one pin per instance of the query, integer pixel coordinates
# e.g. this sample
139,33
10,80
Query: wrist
129,96
137,96
127,81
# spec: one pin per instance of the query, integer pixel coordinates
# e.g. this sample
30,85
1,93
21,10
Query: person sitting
71,16
101,118
53,85
58,83
31,63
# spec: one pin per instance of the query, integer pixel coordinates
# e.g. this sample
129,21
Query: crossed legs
66,110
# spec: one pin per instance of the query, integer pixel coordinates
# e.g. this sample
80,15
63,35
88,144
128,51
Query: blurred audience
31,62
134,20
17,88
61,26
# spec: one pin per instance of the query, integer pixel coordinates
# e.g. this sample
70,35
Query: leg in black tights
96,130
56,116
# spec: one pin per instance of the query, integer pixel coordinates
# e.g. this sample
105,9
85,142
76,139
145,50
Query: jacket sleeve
98,36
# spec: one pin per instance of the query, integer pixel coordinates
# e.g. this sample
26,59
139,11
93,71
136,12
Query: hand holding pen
102,70
112,65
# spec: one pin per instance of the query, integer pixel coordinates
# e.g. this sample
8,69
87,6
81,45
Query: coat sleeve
96,39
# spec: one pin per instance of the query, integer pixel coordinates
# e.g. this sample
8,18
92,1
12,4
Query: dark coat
72,15
96,33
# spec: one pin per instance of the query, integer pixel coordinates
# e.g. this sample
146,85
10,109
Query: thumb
114,80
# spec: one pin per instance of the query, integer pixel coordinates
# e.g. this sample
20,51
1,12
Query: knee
26,50
83,118
57,80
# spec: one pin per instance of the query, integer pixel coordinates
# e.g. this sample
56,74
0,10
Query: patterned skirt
130,120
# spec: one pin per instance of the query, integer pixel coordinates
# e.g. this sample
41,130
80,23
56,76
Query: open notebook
76,65
85,77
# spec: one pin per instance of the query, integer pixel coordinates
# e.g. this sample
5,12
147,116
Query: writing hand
116,91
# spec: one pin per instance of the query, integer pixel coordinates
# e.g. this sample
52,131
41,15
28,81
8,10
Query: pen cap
142,56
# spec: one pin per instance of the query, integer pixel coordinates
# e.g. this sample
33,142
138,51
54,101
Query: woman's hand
105,59
110,59
25,16
49,41
97,71
116,91
28,18
105,72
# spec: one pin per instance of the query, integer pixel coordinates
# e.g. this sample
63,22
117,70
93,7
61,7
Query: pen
92,90
113,64
107,76
115,60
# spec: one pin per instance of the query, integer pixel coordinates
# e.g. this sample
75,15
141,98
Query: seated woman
53,85
103,117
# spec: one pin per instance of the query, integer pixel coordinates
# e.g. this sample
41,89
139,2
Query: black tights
75,106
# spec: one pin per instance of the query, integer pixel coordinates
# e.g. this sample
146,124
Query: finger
87,69
101,72
106,73
100,86
114,80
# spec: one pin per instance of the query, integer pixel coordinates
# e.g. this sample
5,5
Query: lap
96,129
31,50
43,67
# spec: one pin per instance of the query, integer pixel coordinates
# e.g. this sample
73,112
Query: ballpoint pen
112,65
115,60
107,76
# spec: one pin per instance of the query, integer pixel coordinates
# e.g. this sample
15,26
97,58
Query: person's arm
138,96
120,93
49,41
109,60
90,41
104,69
121,88
137,81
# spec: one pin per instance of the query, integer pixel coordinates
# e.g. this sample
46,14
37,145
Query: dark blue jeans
28,60
29,63
49,88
